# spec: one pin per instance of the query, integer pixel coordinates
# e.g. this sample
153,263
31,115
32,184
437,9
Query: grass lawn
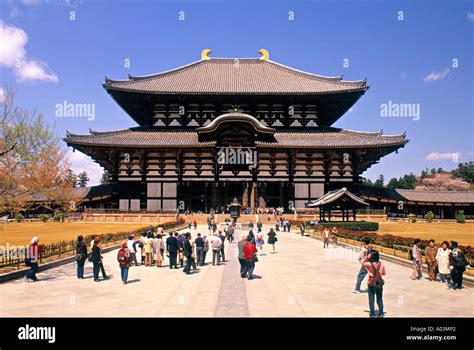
462,233
49,232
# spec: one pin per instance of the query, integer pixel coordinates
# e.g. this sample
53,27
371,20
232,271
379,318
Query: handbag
255,259
379,282
28,262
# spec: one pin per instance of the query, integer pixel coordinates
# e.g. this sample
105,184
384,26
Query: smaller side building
402,203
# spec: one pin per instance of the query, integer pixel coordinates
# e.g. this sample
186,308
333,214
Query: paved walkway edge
467,280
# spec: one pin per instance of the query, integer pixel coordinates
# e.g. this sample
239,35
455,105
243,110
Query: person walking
96,259
205,250
272,239
195,224
132,247
157,250
199,247
242,260
457,265
222,237
416,259
187,252
230,233
376,269
259,226
259,243
148,245
32,260
81,256
326,237
123,258
366,247
172,248
430,256
334,236
216,250
141,245
251,237
302,228
101,265
250,256
181,239
442,257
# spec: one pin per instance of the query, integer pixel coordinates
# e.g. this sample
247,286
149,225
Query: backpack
122,256
377,280
216,244
459,261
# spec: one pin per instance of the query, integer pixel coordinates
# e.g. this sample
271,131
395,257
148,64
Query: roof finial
265,55
205,54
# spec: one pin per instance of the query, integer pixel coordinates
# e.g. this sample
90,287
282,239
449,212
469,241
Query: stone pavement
300,279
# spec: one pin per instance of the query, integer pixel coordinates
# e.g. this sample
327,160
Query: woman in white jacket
442,257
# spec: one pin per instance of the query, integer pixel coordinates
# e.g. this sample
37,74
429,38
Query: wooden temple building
220,128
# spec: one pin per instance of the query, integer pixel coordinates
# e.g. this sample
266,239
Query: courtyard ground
300,279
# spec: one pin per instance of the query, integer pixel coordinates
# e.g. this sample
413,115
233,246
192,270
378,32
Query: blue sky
405,61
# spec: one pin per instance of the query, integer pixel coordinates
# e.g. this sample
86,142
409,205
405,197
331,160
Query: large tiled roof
333,138
418,196
139,137
304,138
235,76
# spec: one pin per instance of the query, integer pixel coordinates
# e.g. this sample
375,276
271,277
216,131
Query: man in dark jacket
96,259
222,237
172,248
181,239
199,243
187,251
81,256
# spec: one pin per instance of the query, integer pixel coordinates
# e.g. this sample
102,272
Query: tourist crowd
184,251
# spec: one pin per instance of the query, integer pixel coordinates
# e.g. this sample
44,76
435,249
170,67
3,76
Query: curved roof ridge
132,78
357,132
107,132
337,79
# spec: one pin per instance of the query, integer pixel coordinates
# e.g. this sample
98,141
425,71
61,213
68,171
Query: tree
31,162
443,182
105,179
82,179
465,171
379,182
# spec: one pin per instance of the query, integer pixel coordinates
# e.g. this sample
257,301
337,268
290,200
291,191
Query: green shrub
412,218
429,216
44,217
460,218
19,217
57,216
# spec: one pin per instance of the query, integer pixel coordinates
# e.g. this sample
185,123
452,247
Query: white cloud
79,162
443,156
35,70
433,76
470,16
2,95
13,55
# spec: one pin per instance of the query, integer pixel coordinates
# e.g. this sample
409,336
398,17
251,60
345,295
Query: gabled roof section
235,76
332,197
